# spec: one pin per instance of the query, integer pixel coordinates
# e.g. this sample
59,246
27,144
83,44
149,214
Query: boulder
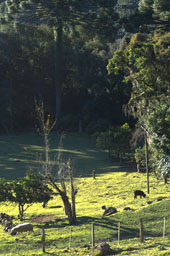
104,248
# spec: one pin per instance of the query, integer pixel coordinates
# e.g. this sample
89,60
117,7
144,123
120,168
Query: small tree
115,140
28,190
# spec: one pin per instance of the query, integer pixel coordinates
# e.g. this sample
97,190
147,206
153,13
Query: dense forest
94,64
61,58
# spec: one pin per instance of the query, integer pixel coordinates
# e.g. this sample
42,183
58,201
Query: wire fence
89,235
92,234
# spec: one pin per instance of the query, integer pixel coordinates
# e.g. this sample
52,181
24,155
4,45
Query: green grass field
113,186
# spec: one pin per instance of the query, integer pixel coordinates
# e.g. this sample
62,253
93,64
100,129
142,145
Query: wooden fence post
94,174
119,233
43,240
17,245
92,235
70,238
163,227
141,230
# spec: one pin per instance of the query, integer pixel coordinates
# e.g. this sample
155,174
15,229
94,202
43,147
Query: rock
87,246
104,248
65,251
160,198
127,209
149,202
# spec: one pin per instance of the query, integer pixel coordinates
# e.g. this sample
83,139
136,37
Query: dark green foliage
98,126
21,52
69,74
145,5
159,10
115,140
145,62
5,190
28,190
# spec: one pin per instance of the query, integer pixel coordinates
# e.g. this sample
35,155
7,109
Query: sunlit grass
106,190
113,186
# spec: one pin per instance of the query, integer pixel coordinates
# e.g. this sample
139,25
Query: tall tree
146,63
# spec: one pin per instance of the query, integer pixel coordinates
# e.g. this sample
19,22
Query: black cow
139,193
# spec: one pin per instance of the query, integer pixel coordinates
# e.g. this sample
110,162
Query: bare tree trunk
68,209
65,199
58,37
73,192
146,160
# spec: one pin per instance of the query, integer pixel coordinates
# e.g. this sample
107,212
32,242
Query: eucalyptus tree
146,62
60,15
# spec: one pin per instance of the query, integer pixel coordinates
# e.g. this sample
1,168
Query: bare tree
64,169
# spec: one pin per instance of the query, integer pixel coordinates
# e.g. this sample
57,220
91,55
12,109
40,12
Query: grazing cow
139,193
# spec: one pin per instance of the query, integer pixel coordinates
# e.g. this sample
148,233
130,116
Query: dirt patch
44,218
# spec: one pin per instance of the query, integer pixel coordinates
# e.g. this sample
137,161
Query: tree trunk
58,36
165,177
68,209
65,199
146,160
138,167
21,212
72,193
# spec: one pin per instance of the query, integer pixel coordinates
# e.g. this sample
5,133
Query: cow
139,193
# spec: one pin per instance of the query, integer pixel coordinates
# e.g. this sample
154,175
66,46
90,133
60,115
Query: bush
98,126
115,140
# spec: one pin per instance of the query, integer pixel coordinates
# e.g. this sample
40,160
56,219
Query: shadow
111,252
50,253
106,223
55,207
17,155
131,249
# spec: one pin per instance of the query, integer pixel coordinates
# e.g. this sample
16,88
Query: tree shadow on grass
50,253
103,223
133,248
55,207
17,155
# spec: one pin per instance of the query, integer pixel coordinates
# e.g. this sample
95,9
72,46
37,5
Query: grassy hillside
113,186
21,152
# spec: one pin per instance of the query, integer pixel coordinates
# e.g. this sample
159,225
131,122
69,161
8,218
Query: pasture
113,186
